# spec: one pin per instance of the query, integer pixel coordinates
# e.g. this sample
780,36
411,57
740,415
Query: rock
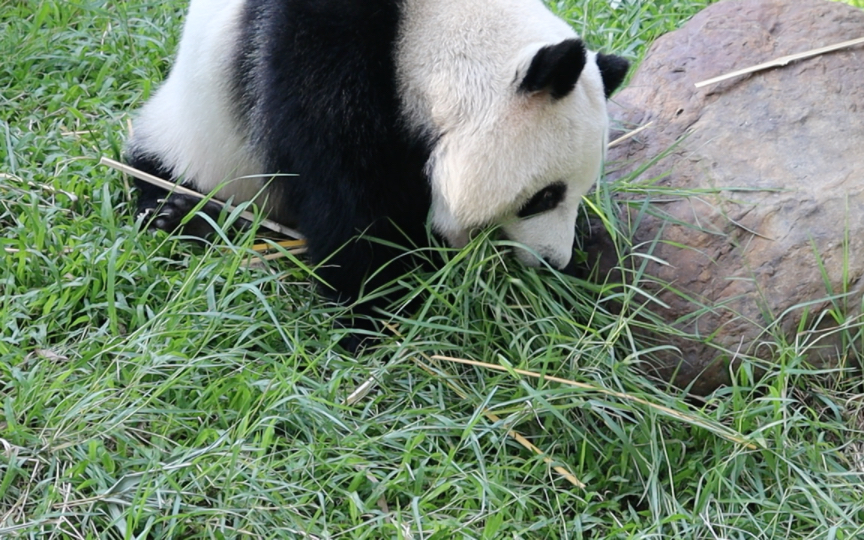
769,234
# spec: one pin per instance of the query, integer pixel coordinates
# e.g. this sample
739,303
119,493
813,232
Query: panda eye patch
544,200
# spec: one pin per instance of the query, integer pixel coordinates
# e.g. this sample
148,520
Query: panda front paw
170,215
165,213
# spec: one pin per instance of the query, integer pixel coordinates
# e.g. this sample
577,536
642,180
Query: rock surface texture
772,230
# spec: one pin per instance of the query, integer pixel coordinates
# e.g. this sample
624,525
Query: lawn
154,388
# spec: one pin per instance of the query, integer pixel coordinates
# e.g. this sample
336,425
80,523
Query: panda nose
572,268
557,263
563,262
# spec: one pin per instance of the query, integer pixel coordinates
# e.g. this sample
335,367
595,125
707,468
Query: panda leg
352,265
166,211
170,212
343,279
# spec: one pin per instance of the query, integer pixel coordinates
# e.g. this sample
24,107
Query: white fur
458,63
189,122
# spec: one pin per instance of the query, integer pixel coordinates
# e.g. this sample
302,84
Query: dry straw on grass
512,433
718,429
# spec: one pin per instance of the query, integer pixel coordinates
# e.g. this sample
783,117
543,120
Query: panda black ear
613,69
555,69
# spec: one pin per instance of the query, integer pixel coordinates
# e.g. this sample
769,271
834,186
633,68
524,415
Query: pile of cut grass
155,389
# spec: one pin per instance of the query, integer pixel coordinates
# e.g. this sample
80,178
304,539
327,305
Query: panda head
520,147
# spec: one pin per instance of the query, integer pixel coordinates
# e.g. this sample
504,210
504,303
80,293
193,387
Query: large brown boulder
763,229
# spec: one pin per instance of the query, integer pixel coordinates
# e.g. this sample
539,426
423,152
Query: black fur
325,107
613,69
167,212
555,69
315,89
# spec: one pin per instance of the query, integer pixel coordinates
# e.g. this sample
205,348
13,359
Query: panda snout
553,263
573,268
558,263
532,256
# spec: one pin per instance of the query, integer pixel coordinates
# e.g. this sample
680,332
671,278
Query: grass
154,389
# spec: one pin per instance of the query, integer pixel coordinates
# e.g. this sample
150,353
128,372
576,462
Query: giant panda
358,120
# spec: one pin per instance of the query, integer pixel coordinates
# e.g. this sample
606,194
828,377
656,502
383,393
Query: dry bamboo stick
782,61
175,188
630,134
